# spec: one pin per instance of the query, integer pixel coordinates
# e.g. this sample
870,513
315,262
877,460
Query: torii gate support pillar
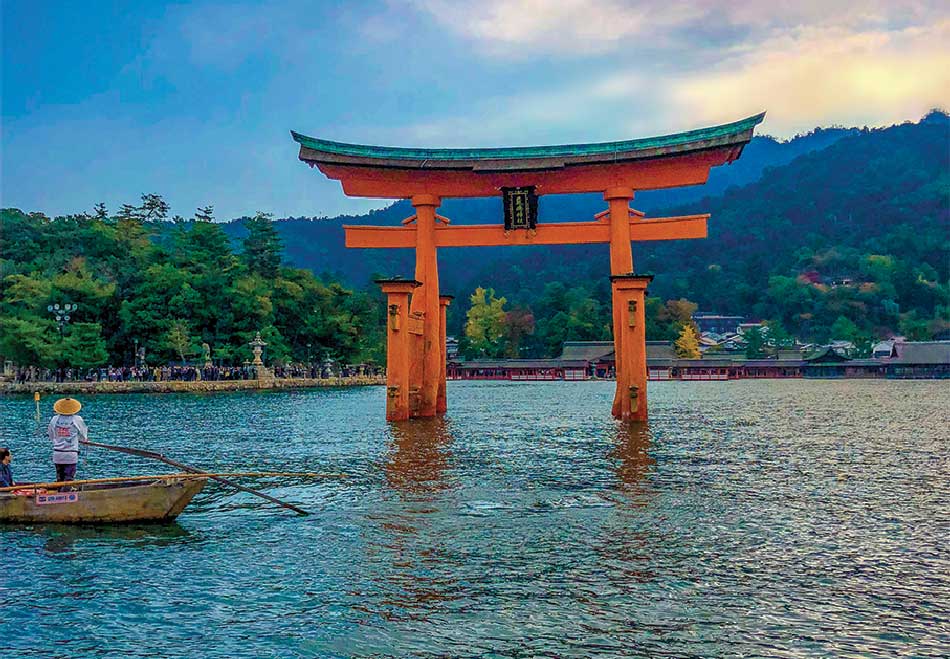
427,355
628,297
397,346
630,348
441,404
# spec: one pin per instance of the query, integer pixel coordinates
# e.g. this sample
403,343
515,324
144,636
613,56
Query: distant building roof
826,354
921,352
587,350
789,353
660,350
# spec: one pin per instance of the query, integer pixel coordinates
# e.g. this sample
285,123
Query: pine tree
85,347
178,338
100,212
205,214
153,208
687,345
127,212
263,246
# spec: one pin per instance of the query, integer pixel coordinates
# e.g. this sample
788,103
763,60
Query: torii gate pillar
441,405
628,297
397,346
630,346
427,353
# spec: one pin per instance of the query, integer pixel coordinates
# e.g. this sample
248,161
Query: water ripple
779,519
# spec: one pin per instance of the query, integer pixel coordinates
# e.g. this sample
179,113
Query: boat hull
90,504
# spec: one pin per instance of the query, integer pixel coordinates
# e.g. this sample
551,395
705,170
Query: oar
167,477
194,470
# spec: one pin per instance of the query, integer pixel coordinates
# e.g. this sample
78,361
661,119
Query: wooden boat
137,500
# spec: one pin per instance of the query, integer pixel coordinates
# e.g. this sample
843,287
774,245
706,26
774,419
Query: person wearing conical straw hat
66,429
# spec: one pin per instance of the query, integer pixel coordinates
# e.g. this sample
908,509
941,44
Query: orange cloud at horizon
826,76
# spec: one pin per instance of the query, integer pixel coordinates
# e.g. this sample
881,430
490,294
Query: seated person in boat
6,474
66,430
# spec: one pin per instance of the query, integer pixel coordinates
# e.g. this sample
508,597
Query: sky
106,100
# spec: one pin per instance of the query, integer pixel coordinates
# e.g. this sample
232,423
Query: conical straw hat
67,406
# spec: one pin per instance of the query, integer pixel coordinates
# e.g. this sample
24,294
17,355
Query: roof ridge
520,152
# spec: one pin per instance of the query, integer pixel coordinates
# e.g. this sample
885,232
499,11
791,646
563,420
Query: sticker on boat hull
64,497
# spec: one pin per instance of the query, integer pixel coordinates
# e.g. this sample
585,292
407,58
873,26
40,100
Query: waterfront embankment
179,386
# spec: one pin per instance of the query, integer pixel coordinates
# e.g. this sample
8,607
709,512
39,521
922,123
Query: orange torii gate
415,362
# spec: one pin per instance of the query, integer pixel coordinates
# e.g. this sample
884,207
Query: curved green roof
690,137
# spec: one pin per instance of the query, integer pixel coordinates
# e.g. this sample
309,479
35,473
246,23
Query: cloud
804,76
817,76
569,26
512,28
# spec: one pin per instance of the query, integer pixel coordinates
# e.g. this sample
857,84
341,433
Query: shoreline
179,386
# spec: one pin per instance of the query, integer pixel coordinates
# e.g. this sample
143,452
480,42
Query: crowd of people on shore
185,373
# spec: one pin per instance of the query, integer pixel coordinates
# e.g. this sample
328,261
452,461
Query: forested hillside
836,234
166,288
843,229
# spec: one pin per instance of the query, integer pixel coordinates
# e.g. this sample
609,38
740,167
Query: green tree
84,346
26,341
205,214
136,283
263,246
153,208
657,321
127,212
844,329
178,339
778,336
754,343
914,328
203,248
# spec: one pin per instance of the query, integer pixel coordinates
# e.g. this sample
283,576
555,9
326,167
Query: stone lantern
257,346
261,372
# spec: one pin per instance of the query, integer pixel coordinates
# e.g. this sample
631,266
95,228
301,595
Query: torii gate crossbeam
559,233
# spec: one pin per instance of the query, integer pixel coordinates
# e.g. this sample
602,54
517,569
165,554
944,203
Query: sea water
779,518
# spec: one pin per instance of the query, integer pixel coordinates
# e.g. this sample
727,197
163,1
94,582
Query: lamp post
61,314
135,357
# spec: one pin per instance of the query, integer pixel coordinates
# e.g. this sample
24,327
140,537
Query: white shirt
65,431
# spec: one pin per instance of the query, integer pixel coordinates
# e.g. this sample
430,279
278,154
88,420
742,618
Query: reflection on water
418,457
750,518
628,546
632,452
415,584
62,538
